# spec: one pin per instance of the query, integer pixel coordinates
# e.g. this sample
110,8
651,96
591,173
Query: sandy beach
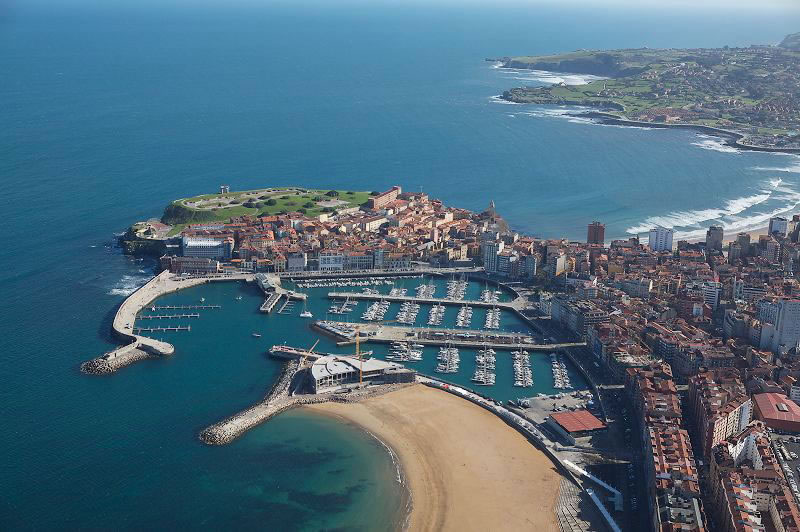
466,469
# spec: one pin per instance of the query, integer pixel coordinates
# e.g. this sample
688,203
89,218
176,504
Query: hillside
791,42
751,91
222,207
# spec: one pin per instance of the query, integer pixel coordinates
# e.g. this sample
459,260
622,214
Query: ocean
111,110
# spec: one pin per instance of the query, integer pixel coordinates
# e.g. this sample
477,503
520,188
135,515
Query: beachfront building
778,225
660,239
596,233
332,372
714,237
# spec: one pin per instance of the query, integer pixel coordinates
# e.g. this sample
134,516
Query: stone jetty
279,400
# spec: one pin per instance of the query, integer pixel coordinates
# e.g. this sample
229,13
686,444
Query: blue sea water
110,110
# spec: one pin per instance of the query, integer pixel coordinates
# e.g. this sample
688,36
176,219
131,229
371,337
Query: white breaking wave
714,144
499,99
560,113
793,169
726,216
552,78
127,285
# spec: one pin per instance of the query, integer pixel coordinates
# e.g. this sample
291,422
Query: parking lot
787,448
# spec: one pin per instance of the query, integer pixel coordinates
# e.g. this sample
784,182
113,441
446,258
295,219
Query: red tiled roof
767,404
577,421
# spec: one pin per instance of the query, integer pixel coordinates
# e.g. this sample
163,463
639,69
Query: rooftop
578,421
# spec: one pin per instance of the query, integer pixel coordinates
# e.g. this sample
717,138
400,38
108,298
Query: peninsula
719,318
746,95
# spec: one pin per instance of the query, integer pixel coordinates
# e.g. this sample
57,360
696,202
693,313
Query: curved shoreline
731,138
465,467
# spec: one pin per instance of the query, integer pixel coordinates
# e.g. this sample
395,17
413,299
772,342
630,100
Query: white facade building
660,239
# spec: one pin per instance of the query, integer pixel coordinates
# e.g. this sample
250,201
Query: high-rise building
660,239
489,251
778,225
714,237
596,233
780,330
743,239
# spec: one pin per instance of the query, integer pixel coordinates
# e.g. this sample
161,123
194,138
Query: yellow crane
358,348
303,360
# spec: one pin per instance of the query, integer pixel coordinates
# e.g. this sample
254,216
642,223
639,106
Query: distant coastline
731,138
699,88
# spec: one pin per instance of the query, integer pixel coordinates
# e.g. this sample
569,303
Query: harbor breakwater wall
278,400
142,347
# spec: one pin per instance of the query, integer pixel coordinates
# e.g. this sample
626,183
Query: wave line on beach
726,216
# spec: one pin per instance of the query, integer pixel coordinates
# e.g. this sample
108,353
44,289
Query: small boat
306,314
256,335
238,298
202,300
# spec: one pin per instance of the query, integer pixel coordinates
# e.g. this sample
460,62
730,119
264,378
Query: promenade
517,304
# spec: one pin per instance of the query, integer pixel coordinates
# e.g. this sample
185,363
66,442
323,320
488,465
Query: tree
332,193
271,202
309,205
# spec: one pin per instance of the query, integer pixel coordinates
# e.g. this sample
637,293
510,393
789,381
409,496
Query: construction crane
358,348
303,360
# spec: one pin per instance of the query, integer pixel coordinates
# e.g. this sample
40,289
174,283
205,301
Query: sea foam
727,215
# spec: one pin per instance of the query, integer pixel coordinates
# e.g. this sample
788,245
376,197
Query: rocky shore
278,400
115,360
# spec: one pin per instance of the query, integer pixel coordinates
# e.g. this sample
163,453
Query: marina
162,329
464,318
561,378
492,319
436,315
523,376
449,360
350,281
397,297
166,316
485,361
184,307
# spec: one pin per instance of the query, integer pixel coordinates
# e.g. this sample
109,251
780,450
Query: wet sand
465,468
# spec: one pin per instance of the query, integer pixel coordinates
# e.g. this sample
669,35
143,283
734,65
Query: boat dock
185,307
507,305
466,338
166,316
270,302
162,329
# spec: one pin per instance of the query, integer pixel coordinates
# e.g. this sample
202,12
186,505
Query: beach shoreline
464,467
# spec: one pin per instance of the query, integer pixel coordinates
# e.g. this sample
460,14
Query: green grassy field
256,202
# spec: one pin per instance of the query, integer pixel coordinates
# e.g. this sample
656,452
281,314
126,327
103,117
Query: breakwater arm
139,347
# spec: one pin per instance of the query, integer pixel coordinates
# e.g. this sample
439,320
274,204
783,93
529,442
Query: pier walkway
379,273
518,303
467,338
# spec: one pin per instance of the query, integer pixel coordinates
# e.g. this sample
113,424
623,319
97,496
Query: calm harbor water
110,110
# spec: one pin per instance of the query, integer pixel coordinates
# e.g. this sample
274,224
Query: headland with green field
751,95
